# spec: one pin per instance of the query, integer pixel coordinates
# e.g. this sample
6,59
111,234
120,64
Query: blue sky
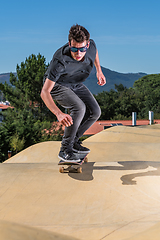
126,32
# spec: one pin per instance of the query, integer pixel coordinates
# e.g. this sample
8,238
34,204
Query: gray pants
83,109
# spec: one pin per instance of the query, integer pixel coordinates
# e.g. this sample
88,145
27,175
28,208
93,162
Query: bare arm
65,119
101,78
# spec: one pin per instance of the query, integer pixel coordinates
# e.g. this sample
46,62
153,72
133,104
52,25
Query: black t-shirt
65,70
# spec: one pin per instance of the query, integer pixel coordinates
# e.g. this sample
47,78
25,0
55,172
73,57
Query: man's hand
101,79
65,119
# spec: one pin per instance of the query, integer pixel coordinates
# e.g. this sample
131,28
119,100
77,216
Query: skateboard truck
72,167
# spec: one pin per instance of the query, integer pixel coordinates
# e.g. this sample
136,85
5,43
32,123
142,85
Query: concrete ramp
45,152
12,231
145,134
116,197
149,234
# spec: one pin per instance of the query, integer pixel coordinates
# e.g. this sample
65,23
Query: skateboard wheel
61,169
79,170
86,160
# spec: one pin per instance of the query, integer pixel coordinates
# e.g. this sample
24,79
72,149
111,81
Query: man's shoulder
91,52
92,47
61,51
92,43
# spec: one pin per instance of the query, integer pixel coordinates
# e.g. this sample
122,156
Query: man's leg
93,110
68,99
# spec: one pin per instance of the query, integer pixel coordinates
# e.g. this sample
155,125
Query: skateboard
73,166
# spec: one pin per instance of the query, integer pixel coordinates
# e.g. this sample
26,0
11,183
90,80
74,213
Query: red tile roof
99,125
2,106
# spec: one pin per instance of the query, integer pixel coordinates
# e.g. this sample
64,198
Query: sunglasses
82,49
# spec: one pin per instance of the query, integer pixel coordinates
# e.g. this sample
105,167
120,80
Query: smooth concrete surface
12,231
45,152
128,134
116,197
149,234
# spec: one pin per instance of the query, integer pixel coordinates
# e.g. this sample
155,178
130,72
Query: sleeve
93,43
93,49
54,71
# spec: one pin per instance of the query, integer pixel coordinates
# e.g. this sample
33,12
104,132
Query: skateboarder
69,68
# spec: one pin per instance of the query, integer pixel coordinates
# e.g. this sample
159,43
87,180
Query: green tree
17,144
3,145
149,89
1,92
143,97
21,130
108,104
120,103
127,103
30,121
26,87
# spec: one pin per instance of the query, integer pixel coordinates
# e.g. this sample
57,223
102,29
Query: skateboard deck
73,166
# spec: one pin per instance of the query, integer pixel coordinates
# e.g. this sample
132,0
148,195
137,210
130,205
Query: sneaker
68,156
78,148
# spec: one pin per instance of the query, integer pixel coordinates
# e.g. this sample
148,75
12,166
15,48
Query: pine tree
30,121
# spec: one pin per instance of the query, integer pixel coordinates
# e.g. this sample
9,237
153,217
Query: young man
69,68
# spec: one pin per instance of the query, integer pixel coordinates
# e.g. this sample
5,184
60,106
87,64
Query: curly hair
78,33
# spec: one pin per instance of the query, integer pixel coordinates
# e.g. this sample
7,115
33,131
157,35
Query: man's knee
79,108
97,112
82,108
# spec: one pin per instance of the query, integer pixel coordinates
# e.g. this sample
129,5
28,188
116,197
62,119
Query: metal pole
134,118
151,117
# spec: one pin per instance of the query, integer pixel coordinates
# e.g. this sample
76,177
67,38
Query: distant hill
4,77
112,77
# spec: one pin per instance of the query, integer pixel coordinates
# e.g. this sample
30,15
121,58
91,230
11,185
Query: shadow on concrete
86,175
128,179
